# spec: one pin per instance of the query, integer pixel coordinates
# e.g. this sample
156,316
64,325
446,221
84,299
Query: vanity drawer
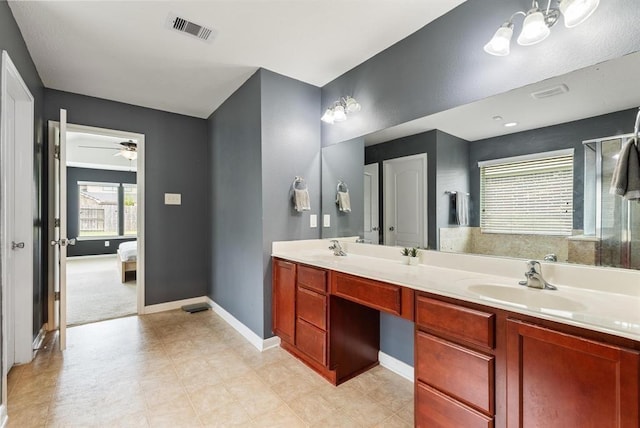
378,295
466,324
460,372
312,307
435,409
315,279
312,341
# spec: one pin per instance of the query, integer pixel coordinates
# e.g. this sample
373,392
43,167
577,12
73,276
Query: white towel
343,201
626,175
462,209
301,200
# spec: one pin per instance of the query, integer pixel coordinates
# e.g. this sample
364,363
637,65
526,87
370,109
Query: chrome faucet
337,249
534,277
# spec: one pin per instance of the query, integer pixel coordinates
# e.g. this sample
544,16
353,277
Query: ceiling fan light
500,43
534,29
577,11
327,117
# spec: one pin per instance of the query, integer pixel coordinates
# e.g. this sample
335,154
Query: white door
60,240
405,201
18,194
371,204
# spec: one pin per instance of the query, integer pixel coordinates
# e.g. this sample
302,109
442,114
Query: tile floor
175,369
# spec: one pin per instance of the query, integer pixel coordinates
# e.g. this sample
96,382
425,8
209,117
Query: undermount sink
529,297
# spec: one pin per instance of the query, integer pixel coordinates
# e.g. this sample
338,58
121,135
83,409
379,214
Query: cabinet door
284,300
560,380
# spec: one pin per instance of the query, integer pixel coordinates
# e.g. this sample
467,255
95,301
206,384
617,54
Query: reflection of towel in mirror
462,209
301,200
626,175
344,202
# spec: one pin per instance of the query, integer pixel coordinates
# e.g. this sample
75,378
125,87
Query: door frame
22,298
373,169
140,183
388,163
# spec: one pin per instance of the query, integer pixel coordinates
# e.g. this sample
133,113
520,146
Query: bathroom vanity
481,360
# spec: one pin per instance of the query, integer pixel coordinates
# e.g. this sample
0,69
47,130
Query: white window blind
528,196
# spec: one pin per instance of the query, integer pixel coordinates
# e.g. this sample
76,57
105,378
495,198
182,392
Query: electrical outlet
326,220
313,220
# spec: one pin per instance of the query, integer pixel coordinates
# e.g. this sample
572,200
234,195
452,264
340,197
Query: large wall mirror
453,180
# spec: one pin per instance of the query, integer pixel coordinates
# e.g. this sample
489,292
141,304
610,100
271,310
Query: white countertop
601,299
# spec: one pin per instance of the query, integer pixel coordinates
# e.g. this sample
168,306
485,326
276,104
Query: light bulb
534,29
500,43
577,11
327,117
352,105
338,114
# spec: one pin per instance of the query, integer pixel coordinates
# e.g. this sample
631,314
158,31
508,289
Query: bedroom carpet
94,290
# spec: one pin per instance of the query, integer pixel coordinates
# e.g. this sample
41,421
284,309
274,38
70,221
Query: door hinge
56,222
56,296
56,152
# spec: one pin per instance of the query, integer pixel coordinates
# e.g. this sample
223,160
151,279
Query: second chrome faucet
534,277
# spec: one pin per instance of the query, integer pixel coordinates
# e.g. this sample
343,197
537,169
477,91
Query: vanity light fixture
338,112
538,22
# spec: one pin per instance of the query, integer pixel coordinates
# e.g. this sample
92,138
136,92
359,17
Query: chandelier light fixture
538,22
339,110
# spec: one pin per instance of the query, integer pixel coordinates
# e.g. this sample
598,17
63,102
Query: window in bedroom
106,209
530,194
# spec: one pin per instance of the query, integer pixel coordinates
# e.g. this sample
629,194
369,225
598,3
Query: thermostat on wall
173,199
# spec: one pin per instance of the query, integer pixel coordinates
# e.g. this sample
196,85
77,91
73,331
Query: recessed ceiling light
511,124
497,117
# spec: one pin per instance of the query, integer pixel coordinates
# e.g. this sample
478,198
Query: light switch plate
313,220
173,199
326,220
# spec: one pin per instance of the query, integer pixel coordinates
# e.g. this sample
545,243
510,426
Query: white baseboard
395,365
176,304
37,342
260,343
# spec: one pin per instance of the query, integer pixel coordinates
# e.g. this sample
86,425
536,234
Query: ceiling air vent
550,92
177,23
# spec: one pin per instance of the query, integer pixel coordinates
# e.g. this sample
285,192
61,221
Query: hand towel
626,174
344,202
301,200
462,209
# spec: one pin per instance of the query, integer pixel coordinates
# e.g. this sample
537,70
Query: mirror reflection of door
371,204
405,201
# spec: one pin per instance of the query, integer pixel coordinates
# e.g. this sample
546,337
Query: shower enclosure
614,221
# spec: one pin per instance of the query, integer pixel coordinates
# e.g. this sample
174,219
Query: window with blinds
527,194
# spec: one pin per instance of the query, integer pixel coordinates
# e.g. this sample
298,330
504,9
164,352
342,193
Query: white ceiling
121,50
603,88
96,151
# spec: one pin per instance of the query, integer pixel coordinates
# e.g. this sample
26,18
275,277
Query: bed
127,258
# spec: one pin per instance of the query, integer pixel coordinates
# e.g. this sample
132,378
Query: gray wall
176,161
557,137
344,161
452,174
86,247
261,137
443,65
235,268
11,40
290,147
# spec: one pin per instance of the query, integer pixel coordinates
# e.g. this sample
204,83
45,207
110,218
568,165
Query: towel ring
342,187
299,181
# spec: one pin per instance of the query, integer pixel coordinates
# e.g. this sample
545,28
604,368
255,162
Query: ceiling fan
128,149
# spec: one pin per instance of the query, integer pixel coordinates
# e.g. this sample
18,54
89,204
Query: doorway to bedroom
102,221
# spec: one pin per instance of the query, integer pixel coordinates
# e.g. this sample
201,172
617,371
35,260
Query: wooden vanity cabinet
455,365
283,300
556,379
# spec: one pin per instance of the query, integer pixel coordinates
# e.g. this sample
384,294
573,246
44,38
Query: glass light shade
128,154
534,29
327,117
338,114
577,11
352,105
500,43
